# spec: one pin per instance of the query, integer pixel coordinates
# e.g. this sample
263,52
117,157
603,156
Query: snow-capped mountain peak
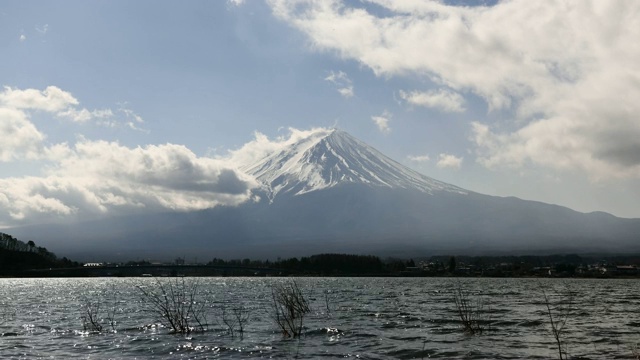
329,157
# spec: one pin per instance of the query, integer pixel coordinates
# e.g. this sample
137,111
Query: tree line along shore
18,258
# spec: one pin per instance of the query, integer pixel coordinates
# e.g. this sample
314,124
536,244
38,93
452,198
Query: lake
366,318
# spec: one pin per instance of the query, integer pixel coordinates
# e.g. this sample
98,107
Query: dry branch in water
289,308
96,308
470,311
113,308
91,316
558,314
177,303
235,319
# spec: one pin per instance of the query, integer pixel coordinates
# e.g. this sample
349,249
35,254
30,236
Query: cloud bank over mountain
92,178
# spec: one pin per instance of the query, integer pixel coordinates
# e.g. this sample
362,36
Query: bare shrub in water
112,308
235,318
97,308
177,303
289,308
328,302
91,315
558,314
470,311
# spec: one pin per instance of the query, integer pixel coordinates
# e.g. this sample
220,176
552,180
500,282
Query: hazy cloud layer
566,71
235,2
98,177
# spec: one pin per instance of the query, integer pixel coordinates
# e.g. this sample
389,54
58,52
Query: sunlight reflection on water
370,318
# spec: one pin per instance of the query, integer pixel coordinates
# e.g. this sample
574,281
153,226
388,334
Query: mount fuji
329,158
329,192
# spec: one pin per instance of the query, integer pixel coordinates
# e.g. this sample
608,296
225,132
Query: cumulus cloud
442,100
20,138
51,99
99,177
449,161
342,83
564,71
419,158
382,122
66,107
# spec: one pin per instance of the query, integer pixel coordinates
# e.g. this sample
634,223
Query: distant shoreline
229,271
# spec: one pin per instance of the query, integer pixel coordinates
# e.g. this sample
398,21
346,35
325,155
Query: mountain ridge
327,158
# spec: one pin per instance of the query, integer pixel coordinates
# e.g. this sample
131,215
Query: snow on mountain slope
329,157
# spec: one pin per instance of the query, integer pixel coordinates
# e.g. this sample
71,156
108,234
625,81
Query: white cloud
18,200
442,99
236,2
261,146
51,99
342,83
20,138
84,115
346,92
565,71
419,158
23,37
382,122
102,177
65,106
449,161
97,177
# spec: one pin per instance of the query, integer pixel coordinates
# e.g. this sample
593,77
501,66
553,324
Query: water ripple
364,318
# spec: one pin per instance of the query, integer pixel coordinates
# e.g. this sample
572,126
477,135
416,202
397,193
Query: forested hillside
17,256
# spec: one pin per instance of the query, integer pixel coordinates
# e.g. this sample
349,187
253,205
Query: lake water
367,318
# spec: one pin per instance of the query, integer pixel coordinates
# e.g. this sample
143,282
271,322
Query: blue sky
514,98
